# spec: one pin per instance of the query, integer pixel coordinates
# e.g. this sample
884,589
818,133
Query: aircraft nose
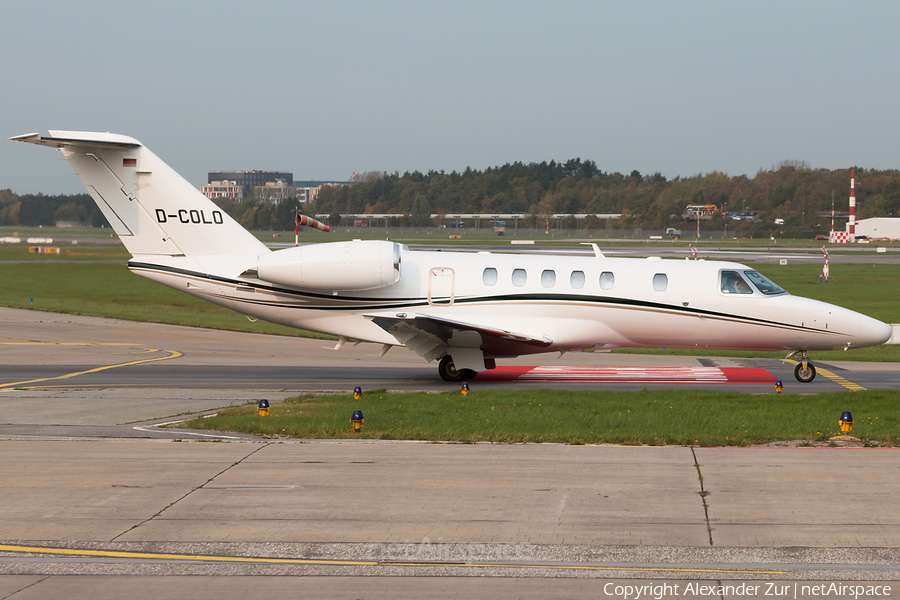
871,332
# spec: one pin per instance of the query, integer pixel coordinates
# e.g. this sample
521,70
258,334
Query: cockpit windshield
764,284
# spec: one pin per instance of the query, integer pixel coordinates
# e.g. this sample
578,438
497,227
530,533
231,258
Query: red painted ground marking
629,375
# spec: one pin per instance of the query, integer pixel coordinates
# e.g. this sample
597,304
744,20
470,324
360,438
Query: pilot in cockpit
732,283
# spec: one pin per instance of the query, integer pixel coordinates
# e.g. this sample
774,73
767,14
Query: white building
276,191
879,227
223,189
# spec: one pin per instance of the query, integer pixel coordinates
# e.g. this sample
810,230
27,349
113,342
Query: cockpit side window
764,284
733,283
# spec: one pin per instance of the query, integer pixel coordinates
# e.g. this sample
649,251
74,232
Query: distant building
223,189
276,191
879,228
313,188
250,179
303,191
270,186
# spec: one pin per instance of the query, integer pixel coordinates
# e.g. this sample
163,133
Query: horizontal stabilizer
152,209
83,139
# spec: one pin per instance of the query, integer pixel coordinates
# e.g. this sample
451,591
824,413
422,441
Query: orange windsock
304,220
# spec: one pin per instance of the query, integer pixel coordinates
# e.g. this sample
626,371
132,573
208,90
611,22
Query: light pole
725,216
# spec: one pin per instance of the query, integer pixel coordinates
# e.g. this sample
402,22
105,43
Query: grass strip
679,417
86,283
111,290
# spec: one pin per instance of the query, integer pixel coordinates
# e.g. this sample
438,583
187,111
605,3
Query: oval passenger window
576,280
519,277
548,279
660,282
607,280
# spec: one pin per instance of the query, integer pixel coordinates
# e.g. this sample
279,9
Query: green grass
19,253
607,238
111,290
63,238
867,288
92,279
704,418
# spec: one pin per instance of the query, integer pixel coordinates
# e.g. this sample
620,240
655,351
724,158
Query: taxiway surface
99,503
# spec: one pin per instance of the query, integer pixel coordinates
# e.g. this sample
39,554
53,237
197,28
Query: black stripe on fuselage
375,304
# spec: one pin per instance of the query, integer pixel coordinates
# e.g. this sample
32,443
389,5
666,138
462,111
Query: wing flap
430,336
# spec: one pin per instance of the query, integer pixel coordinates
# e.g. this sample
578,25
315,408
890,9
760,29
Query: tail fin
151,207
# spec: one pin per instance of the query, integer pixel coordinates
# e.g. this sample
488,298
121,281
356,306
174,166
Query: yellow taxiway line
853,387
172,354
365,563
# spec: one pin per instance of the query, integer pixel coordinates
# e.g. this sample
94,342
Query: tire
805,375
448,371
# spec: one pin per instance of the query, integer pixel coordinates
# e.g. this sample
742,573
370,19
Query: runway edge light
778,386
357,420
263,408
357,393
465,388
846,422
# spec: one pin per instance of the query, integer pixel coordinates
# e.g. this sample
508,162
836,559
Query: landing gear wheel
805,375
448,371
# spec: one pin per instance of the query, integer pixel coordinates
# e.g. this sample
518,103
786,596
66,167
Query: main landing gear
804,372
448,372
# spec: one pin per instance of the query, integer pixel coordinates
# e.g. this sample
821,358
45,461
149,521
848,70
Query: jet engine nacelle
333,267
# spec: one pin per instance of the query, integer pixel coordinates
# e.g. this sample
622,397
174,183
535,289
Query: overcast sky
324,89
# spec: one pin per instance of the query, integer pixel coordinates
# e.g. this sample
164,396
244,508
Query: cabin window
519,277
660,282
576,280
607,280
548,278
763,283
733,283
489,277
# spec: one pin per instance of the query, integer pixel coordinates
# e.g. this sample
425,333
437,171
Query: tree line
790,190
32,210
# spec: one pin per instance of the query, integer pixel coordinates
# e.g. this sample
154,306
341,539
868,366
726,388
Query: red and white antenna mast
851,227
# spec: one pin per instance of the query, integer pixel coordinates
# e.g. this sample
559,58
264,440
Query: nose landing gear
804,372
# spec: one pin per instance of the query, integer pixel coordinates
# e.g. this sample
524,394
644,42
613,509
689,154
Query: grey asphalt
82,467
47,350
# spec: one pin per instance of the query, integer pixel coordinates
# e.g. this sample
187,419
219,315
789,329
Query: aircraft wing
430,336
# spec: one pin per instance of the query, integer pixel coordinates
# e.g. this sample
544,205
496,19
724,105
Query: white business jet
464,309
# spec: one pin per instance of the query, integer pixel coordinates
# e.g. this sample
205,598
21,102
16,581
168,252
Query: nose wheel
804,372
449,372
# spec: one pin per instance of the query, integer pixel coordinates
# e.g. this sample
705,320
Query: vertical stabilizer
150,207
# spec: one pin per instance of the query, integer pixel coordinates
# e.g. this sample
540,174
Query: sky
325,89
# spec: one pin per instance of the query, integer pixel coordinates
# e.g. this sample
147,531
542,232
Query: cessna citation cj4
464,309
